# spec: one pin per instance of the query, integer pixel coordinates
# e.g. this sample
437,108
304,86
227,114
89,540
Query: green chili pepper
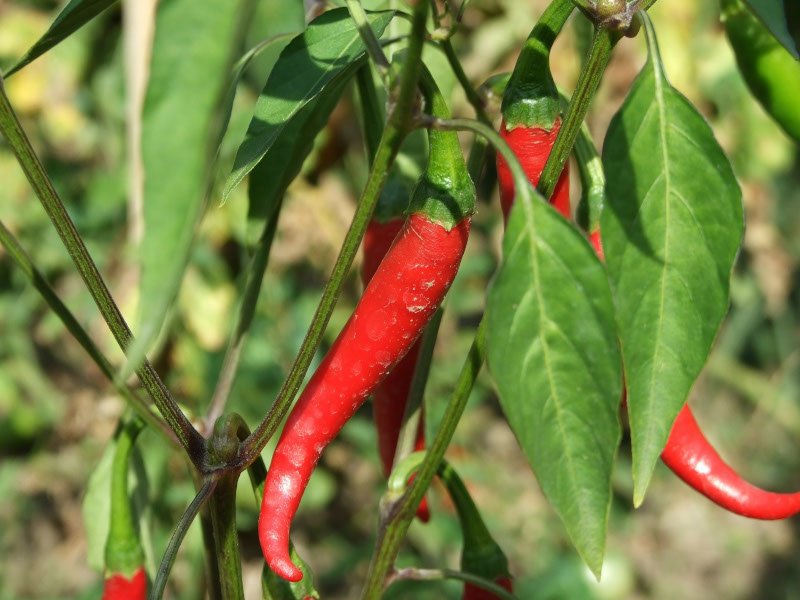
771,73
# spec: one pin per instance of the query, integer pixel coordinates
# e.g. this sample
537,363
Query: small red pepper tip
285,569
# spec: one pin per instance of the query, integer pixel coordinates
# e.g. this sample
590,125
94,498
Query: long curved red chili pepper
389,399
692,458
397,304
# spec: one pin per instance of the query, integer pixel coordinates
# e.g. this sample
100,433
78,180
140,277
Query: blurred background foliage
57,413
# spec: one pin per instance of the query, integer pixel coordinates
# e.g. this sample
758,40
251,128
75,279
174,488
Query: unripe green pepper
771,73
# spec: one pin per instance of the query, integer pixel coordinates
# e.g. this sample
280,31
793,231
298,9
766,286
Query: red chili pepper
119,587
692,458
398,302
389,399
531,107
532,146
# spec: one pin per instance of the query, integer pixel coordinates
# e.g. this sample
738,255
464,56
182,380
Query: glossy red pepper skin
692,458
396,305
474,592
119,587
389,399
532,146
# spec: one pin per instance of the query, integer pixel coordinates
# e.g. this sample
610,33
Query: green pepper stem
445,193
395,131
20,145
531,97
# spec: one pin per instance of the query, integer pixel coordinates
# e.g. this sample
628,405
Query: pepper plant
598,311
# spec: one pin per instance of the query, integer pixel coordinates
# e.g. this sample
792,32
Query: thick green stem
188,436
222,506
396,129
588,82
40,283
399,515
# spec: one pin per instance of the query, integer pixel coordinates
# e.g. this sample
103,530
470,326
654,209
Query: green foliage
554,357
671,230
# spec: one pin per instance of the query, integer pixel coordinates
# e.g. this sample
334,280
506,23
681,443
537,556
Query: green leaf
182,125
284,158
773,14
329,49
671,231
553,353
73,16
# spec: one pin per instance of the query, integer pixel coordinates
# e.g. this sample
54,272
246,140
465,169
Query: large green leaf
72,17
184,107
330,49
553,352
671,230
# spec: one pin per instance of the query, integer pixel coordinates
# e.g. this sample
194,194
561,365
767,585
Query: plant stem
395,131
178,534
588,82
399,515
436,574
11,128
472,95
222,507
40,283
368,36
408,432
